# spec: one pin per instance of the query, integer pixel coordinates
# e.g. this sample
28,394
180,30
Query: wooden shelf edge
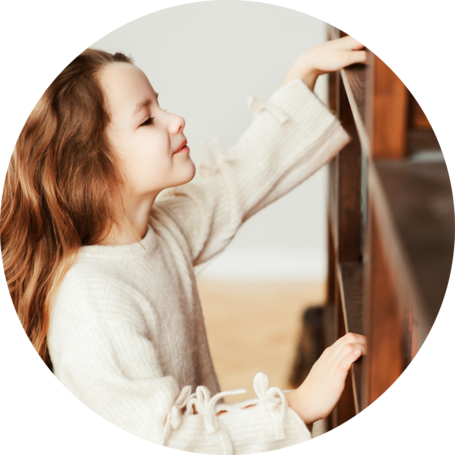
351,282
354,81
350,277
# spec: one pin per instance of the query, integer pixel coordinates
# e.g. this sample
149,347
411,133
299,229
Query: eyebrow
142,104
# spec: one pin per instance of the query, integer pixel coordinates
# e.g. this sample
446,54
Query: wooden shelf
390,227
415,208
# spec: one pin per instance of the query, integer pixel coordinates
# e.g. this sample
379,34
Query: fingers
351,350
358,57
347,361
347,356
349,43
349,338
363,56
352,50
351,347
356,46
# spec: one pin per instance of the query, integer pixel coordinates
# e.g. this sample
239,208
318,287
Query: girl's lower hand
326,57
318,395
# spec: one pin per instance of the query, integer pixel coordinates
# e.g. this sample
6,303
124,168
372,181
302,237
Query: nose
176,124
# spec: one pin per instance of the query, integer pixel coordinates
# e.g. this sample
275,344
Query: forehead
124,85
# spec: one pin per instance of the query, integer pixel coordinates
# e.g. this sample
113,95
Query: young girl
100,268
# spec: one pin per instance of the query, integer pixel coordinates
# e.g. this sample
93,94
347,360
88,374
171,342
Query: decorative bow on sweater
255,106
174,416
274,400
202,403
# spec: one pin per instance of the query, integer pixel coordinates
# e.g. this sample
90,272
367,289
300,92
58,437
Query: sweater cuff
288,100
264,423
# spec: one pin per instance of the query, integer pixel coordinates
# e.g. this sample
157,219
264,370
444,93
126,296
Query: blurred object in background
310,344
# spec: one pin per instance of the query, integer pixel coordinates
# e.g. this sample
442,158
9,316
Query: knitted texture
127,333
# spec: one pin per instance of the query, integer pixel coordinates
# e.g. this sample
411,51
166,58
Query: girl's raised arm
292,135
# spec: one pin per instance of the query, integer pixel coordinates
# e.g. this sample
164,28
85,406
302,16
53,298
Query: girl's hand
320,392
326,57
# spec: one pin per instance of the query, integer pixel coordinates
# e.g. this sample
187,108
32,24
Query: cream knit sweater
127,333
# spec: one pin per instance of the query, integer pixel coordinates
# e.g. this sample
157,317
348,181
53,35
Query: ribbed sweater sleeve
292,135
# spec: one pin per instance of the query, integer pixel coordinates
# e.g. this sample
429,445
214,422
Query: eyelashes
149,121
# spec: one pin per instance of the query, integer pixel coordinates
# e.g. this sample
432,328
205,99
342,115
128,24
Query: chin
193,173
188,174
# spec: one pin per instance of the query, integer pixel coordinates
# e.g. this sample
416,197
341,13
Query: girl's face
147,139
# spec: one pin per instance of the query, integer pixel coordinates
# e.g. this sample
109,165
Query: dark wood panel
387,118
333,92
355,83
384,320
422,141
417,118
333,204
348,181
418,221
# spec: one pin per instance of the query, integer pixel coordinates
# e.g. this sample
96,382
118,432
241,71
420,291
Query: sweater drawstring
174,416
206,407
274,400
255,106
202,403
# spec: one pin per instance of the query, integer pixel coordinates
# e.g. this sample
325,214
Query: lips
181,146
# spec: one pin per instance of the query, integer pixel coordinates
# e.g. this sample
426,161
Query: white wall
204,59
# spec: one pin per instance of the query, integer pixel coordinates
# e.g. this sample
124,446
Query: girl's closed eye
148,121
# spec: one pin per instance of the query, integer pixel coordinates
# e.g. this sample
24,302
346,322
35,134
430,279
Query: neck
132,224
125,234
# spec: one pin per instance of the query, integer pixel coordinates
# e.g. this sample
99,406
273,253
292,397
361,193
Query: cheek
152,162
149,148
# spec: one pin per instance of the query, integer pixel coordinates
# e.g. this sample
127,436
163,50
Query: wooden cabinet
391,228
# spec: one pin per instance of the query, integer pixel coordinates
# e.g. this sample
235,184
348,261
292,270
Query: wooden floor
254,327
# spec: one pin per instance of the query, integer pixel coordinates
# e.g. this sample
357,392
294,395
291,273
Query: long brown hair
60,190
